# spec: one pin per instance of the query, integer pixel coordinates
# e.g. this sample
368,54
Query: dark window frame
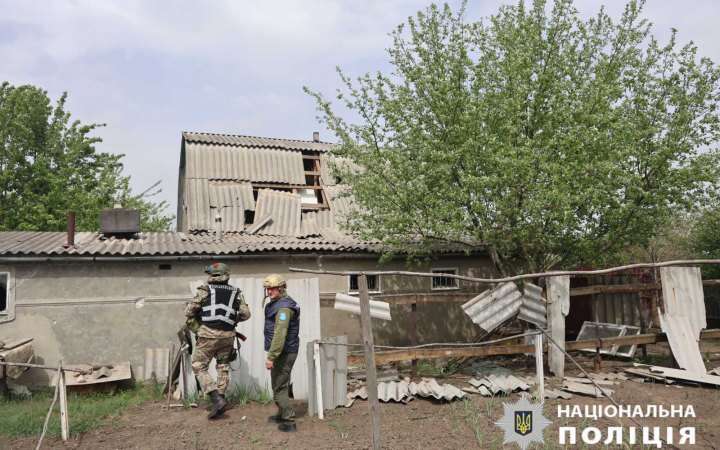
441,283
377,289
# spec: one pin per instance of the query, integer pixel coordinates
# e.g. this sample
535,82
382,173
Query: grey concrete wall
103,312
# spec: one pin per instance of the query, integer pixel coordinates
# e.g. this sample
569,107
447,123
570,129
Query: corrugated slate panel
284,208
218,162
197,203
314,223
232,194
255,141
329,163
533,308
494,306
39,243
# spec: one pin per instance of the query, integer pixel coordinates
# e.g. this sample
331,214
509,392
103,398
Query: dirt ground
421,424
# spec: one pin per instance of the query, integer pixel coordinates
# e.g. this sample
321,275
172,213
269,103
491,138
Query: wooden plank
539,367
318,381
516,349
64,422
628,288
283,186
558,295
369,343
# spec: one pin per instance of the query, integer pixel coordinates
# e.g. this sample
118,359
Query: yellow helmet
274,280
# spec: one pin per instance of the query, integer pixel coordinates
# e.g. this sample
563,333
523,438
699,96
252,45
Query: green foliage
705,239
242,395
551,139
49,165
86,412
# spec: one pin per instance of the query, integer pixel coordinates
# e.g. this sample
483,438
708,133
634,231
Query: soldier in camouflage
282,326
212,315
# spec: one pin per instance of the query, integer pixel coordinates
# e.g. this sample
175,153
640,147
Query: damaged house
260,205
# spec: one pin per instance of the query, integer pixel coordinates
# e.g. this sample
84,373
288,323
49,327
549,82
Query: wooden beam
625,288
515,349
283,186
613,289
369,347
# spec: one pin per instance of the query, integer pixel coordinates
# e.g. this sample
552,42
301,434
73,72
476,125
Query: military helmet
274,280
217,268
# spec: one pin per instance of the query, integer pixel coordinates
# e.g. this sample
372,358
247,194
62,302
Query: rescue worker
282,327
212,315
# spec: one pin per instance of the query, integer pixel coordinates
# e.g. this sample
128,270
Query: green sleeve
281,329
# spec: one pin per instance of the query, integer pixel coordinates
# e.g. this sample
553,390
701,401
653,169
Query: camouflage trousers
206,349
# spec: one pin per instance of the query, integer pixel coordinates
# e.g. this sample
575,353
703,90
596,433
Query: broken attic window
3,293
441,282
308,197
373,282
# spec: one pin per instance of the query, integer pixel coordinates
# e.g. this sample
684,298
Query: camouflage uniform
212,342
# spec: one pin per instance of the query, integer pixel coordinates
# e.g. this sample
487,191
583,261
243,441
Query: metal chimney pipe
316,136
70,229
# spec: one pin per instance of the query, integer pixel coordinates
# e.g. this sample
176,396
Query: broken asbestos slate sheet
493,307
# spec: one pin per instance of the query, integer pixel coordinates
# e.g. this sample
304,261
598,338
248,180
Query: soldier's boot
218,405
287,426
224,408
277,418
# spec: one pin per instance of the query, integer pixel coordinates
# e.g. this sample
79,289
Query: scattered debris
553,394
595,330
429,387
686,375
500,384
96,374
17,351
715,371
405,390
590,381
585,389
646,374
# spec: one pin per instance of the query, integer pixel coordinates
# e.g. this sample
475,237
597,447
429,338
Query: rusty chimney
316,136
70,229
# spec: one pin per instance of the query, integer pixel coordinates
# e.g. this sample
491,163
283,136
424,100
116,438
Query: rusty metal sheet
493,307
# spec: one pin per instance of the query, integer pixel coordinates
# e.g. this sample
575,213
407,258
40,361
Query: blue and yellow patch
283,316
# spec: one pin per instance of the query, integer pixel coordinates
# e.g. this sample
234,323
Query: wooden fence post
369,346
539,366
64,422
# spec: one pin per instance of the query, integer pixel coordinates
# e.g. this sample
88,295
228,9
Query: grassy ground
25,417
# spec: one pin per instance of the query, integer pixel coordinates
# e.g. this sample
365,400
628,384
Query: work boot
277,418
287,426
218,405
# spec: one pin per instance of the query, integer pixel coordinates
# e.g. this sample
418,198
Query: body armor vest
217,308
292,341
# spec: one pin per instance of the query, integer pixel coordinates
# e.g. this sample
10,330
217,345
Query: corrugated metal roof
494,306
37,243
255,141
219,162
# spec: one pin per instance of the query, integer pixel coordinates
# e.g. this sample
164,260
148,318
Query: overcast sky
151,69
